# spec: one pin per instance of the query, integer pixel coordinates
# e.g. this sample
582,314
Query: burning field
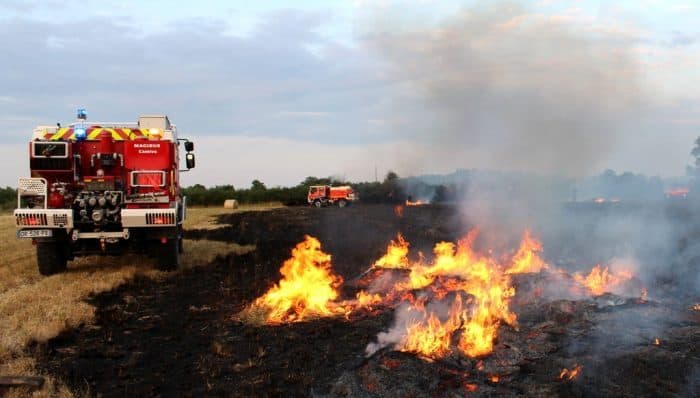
371,301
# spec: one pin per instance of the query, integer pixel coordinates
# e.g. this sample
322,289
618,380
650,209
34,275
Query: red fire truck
103,188
324,195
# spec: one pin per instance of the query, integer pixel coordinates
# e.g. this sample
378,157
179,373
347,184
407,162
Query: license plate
35,233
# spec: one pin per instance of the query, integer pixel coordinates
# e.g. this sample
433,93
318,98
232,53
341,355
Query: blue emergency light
82,114
80,133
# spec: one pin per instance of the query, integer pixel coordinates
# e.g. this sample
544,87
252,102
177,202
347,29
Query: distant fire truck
103,188
324,195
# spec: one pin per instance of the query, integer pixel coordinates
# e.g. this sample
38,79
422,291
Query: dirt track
178,338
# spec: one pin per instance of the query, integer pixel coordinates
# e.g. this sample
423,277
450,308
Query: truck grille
160,218
60,219
30,219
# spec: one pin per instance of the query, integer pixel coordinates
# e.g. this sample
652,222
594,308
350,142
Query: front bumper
44,218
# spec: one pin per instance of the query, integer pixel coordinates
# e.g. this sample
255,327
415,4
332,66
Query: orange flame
431,337
601,280
494,379
656,341
396,254
459,269
527,259
416,203
307,288
696,307
567,374
398,210
365,299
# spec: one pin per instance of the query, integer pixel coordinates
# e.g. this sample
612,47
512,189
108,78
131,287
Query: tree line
390,190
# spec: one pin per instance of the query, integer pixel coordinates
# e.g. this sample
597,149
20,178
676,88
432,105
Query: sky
281,90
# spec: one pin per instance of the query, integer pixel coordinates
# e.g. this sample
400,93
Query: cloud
301,114
682,39
206,79
494,87
210,83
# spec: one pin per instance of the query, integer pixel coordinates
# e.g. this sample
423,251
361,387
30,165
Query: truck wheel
342,203
318,203
51,258
169,255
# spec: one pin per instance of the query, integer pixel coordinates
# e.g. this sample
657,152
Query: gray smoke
500,88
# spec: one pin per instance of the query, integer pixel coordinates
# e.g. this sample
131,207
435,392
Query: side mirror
189,146
189,160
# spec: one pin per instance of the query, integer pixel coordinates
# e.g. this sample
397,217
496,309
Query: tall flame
527,258
307,288
458,268
396,254
430,336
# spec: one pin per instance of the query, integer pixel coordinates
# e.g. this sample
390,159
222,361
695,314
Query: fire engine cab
104,188
324,195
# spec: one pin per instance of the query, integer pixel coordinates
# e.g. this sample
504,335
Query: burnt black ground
177,337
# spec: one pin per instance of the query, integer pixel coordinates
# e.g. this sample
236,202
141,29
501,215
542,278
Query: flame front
600,280
453,303
416,203
307,288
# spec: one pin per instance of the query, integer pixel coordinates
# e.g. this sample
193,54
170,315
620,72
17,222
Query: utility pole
375,173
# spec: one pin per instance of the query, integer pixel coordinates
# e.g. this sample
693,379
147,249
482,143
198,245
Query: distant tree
8,197
442,194
311,180
695,172
258,185
391,189
391,177
696,153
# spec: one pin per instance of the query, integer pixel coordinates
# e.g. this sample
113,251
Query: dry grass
26,366
205,217
36,308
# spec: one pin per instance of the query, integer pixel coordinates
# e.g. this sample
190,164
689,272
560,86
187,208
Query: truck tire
169,255
50,258
318,203
342,203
